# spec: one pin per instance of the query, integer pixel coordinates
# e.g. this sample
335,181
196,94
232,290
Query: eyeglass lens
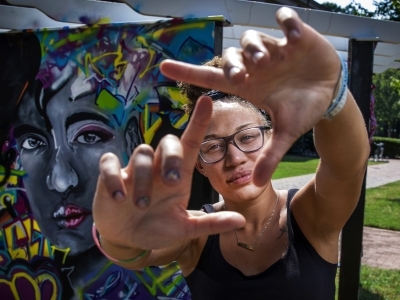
247,140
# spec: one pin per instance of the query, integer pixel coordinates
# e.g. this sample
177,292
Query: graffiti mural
77,94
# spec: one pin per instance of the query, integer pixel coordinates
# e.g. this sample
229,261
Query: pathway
381,248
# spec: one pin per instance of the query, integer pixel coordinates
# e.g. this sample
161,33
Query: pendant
245,246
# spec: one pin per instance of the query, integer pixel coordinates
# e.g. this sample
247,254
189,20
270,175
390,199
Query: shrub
391,146
304,146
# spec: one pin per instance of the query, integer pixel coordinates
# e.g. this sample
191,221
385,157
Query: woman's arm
324,205
343,146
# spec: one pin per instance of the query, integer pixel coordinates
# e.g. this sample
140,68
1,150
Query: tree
354,8
387,98
387,10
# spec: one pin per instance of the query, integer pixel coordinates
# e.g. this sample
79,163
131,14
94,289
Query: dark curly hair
192,93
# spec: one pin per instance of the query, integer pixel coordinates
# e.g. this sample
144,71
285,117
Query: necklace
253,247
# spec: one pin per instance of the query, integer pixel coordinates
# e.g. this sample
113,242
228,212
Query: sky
365,3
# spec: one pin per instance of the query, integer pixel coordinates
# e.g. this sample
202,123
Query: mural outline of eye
32,142
92,134
88,138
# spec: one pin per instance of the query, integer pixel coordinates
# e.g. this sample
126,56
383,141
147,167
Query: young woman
260,243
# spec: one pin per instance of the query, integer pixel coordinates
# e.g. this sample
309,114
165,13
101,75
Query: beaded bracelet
115,260
341,97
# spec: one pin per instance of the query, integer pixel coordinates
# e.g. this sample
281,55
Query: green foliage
392,146
354,8
377,284
304,145
387,10
387,99
382,207
384,9
395,84
292,165
375,281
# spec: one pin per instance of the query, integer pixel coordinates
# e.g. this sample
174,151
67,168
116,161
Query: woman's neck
258,210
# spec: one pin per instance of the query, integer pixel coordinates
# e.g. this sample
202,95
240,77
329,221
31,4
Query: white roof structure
240,15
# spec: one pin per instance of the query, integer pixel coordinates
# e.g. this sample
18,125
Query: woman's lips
70,216
240,177
241,180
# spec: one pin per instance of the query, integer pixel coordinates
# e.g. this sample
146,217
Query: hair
192,94
19,62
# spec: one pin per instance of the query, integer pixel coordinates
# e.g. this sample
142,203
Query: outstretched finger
111,182
109,204
168,159
290,24
255,51
140,170
203,76
195,132
233,65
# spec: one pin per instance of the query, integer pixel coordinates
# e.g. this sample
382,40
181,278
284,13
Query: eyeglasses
246,140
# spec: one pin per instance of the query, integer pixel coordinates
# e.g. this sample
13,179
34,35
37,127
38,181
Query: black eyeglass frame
231,139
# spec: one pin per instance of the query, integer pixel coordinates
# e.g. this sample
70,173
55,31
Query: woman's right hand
143,206
293,79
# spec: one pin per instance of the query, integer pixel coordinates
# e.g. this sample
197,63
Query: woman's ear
200,168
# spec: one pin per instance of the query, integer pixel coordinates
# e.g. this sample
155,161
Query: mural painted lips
70,216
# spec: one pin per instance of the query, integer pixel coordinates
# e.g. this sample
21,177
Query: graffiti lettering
24,240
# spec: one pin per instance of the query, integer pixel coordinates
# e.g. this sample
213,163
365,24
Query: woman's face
61,163
231,177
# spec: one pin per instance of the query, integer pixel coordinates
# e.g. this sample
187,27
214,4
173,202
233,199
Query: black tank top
300,274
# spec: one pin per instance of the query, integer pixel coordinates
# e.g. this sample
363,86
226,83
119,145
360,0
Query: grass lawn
292,165
377,284
382,207
295,166
382,210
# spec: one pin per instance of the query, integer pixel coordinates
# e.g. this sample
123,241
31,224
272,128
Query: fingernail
143,202
257,57
233,71
285,13
172,175
294,34
118,195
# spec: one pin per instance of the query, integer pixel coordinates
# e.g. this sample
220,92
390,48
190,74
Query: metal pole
361,55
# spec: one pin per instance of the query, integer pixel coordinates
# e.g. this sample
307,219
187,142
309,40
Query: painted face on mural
61,141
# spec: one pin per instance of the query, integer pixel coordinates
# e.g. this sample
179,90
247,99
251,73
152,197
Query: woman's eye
32,143
246,138
88,138
214,147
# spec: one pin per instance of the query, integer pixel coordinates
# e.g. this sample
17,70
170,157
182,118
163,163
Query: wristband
115,260
340,99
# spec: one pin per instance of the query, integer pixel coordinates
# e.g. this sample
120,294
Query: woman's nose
62,176
234,156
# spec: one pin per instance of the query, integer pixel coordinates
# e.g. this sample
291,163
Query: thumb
275,148
215,223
